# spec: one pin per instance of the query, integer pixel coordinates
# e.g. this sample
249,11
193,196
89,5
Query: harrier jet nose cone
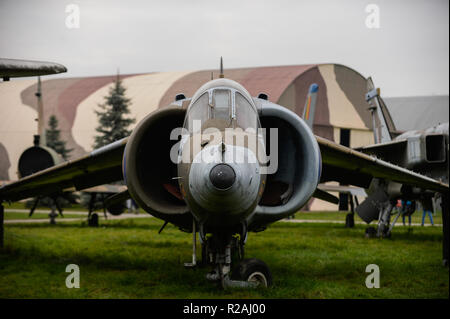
222,176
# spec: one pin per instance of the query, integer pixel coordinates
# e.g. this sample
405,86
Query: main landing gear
350,217
384,229
224,252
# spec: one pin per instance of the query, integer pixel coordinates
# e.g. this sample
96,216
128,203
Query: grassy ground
18,215
128,259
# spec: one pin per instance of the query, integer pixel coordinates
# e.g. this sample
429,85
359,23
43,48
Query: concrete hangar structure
341,113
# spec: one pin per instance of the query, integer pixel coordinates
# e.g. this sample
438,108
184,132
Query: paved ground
343,222
83,216
126,215
45,211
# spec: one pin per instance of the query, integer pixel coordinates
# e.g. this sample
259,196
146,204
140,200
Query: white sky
408,55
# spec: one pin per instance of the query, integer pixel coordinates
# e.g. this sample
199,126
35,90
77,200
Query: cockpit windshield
246,115
221,108
221,105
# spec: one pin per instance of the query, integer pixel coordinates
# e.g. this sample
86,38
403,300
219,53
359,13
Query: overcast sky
407,55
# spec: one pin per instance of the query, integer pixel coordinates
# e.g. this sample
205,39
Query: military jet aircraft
222,163
40,156
425,152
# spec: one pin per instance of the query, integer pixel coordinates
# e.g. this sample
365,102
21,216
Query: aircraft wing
105,189
355,191
351,167
12,68
101,166
386,149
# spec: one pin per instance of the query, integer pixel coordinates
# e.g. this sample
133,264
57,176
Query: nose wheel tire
253,270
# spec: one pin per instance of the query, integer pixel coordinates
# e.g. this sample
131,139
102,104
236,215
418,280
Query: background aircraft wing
12,68
101,166
105,189
351,167
354,191
386,149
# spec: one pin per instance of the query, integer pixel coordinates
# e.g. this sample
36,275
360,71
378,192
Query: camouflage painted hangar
341,112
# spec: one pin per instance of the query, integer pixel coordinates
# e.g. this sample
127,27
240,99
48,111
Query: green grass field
128,259
18,215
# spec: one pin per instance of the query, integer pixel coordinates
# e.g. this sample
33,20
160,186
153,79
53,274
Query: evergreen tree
113,125
53,139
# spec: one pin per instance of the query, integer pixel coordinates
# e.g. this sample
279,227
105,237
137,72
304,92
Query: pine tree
113,125
53,138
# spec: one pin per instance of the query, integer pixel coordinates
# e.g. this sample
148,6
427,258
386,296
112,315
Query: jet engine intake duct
37,158
435,148
299,165
149,173
426,149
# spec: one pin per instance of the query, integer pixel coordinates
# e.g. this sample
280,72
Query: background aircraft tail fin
383,123
310,106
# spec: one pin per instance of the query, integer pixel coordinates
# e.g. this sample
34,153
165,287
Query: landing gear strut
223,250
384,230
52,215
445,229
350,217
2,216
93,217
194,247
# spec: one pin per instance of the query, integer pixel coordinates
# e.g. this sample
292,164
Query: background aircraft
425,152
39,156
206,189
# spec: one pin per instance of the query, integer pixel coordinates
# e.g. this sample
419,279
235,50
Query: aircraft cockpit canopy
221,107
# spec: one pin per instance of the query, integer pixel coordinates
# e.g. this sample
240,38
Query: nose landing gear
225,253
253,271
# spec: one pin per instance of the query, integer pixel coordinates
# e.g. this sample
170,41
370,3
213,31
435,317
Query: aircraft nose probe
222,176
